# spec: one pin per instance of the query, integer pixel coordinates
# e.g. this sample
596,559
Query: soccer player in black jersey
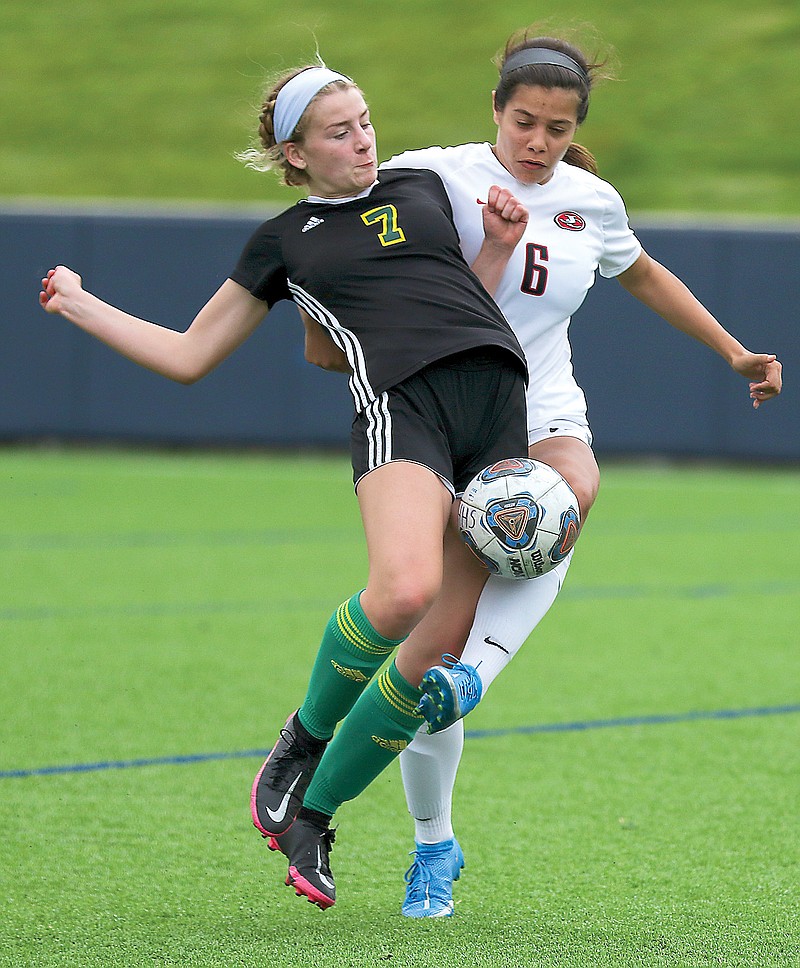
438,383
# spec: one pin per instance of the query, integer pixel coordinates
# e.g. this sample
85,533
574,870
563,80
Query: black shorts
456,417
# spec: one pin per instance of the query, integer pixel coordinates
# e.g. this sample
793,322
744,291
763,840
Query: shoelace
293,755
326,838
467,686
418,878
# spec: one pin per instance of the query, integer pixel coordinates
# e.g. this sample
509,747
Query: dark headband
542,55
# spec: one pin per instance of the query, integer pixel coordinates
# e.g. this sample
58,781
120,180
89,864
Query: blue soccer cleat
429,880
449,692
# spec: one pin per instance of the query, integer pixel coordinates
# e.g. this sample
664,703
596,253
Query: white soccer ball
520,517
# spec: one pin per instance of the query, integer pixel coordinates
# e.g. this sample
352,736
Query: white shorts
561,428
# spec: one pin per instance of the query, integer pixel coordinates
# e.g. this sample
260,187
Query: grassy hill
149,99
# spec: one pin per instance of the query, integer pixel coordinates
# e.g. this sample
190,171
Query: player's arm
504,221
665,294
225,322
320,348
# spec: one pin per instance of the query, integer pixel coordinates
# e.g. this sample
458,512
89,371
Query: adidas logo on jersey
312,223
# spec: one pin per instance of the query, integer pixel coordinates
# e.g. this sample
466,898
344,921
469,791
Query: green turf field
161,606
151,98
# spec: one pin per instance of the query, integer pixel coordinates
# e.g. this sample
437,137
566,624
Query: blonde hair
266,154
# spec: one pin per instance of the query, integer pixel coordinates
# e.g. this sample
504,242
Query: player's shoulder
391,178
267,238
586,181
399,173
443,160
275,225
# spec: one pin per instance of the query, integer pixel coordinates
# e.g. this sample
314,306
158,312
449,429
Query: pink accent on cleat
304,888
254,788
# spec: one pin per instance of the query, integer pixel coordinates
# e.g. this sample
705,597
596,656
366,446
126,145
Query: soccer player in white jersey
577,224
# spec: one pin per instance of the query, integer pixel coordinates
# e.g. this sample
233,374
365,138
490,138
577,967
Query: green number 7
386,216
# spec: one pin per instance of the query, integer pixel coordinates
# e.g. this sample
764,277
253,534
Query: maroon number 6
534,281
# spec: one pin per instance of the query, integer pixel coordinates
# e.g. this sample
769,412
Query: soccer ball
520,517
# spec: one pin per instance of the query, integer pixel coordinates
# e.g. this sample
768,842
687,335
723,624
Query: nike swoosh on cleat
490,641
276,816
325,880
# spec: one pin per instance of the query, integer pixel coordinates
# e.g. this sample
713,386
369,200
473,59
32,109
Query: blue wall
650,389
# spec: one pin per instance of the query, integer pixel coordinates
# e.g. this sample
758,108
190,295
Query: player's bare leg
575,462
429,765
446,624
405,509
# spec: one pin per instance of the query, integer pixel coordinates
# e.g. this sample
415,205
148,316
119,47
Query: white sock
429,765
508,611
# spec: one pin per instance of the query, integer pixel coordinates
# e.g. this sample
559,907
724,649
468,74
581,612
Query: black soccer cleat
307,847
281,783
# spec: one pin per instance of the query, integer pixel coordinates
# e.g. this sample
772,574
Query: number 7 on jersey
386,217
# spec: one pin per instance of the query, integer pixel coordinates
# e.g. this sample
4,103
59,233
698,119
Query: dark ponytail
580,157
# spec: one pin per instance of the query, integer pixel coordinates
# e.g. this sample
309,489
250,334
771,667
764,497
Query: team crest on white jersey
312,223
570,221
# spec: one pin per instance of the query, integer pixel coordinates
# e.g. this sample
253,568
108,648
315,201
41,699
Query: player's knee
576,463
400,603
586,488
584,479
409,600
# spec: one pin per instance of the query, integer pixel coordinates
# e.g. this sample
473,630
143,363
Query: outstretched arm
225,321
504,221
666,295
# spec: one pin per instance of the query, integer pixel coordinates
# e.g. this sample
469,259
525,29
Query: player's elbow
186,379
327,359
314,358
189,371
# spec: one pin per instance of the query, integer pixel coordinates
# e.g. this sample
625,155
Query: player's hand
504,218
59,286
765,374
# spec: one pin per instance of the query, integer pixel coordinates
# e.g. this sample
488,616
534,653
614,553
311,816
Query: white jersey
578,224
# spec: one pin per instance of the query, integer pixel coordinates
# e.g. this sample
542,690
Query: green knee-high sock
379,727
350,654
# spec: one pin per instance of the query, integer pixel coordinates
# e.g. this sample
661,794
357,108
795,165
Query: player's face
534,130
338,150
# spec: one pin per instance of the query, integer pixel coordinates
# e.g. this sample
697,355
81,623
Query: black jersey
383,274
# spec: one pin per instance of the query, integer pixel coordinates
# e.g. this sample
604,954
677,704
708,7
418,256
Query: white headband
295,96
